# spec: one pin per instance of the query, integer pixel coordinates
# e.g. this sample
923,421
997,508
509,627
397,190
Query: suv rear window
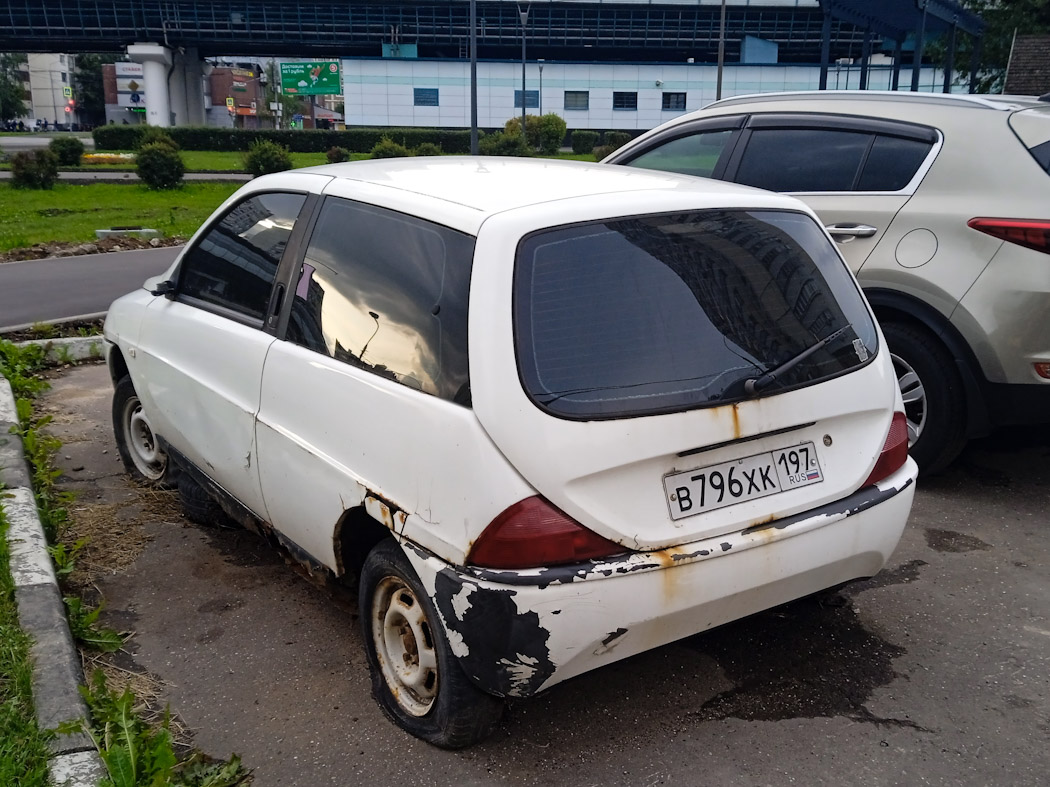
659,313
1032,127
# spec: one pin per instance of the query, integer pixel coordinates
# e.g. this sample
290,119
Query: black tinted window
696,154
793,159
892,163
669,312
387,292
235,263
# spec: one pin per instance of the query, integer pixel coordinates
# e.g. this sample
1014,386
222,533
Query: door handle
844,232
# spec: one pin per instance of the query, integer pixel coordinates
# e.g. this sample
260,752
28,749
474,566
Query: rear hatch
1032,127
687,375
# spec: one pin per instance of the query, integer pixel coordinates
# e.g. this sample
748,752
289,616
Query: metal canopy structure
901,20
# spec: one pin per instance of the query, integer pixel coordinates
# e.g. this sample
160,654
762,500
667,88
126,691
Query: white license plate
717,486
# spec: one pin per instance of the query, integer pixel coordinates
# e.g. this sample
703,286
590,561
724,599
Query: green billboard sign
311,79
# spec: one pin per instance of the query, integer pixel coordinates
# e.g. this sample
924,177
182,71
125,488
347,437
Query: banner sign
311,79
130,84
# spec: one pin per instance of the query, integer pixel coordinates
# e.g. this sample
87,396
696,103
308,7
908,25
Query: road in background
13,143
62,287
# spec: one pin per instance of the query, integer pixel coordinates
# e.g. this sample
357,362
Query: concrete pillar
156,60
177,89
196,72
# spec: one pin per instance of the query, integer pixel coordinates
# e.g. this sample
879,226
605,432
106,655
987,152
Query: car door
202,347
856,173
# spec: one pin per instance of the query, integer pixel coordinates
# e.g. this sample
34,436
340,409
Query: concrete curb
76,348
41,612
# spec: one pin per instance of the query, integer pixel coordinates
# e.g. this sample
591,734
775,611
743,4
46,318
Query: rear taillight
1030,233
894,450
533,533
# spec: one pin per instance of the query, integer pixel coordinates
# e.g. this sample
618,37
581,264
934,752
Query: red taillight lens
1030,233
894,451
533,533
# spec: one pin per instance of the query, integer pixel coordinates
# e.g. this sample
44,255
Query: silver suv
940,205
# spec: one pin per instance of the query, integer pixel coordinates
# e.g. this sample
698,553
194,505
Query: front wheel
139,449
932,390
415,677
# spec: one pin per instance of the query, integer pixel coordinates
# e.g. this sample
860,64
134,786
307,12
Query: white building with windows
51,88
628,96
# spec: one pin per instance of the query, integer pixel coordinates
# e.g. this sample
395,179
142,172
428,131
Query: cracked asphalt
932,673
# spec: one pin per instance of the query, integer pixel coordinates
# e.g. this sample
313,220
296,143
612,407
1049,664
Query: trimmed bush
602,151
159,166
428,149
583,141
532,129
387,148
265,157
336,154
503,144
358,140
34,169
616,139
68,150
155,135
551,133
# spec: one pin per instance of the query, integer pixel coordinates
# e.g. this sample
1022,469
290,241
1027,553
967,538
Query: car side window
892,163
388,293
803,159
234,264
696,154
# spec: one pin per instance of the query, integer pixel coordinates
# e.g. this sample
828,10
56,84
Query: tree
12,88
87,87
1002,19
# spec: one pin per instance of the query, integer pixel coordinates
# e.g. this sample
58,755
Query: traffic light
71,105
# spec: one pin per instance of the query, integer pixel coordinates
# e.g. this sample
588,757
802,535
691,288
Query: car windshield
660,313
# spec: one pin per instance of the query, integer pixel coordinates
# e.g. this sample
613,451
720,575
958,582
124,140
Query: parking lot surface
934,672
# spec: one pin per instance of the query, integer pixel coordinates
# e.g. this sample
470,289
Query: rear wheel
931,387
415,677
139,449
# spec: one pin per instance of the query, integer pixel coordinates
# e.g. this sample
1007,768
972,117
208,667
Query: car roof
462,191
837,97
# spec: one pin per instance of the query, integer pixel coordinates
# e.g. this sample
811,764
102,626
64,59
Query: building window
62,59
425,96
65,77
627,101
577,99
674,101
532,99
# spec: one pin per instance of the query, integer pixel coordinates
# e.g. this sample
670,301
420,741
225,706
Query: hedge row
358,140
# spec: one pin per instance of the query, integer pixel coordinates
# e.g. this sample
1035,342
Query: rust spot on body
736,420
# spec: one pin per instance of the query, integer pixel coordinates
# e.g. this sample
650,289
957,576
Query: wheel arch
118,367
356,534
895,306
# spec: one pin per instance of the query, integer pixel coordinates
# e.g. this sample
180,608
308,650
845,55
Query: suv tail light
894,451
533,533
1030,233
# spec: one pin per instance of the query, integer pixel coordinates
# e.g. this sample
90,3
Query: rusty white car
545,415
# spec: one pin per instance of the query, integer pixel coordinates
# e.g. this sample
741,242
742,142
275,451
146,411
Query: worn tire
199,506
934,401
138,447
428,695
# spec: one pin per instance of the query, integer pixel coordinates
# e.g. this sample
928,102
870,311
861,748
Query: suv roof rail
968,100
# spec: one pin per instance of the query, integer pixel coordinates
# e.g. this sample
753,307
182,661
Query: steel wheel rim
405,646
913,392
141,442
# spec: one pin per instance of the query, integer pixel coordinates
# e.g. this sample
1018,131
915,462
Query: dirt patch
65,330
73,249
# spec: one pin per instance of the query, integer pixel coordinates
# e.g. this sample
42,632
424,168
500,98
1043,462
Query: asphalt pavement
932,673
66,287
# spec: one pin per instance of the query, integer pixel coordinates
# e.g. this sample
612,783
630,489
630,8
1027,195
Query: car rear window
1032,127
675,311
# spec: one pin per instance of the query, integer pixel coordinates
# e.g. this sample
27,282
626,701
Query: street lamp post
541,86
524,20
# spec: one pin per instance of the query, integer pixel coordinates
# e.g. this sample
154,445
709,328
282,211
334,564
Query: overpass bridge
171,37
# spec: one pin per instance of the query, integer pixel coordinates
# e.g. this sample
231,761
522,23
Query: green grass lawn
73,213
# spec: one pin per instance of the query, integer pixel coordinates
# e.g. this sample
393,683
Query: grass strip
72,213
23,746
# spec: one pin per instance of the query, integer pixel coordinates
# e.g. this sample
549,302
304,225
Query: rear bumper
519,632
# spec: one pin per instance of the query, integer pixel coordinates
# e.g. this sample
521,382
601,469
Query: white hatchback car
547,415
941,206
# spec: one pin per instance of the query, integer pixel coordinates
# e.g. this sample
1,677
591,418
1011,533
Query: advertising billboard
311,79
